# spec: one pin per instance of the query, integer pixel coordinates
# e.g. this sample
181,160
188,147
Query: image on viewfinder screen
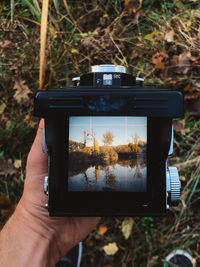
107,154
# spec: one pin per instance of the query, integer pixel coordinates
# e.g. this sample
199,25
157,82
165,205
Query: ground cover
156,40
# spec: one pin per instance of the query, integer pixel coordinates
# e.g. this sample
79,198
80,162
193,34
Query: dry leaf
169,36
6,167
29,120
158,58
179,126
194,107
127,226
183,63
18,163
182,178
6,44
102,229
133,5
74,51
188,87
22,90
2,108
151,35
111,248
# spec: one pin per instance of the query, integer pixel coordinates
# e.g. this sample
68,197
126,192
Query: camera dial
173,186
108,68
107,76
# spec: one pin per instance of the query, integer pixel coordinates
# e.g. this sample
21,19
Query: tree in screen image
108,138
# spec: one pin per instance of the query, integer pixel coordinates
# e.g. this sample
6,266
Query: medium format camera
108,139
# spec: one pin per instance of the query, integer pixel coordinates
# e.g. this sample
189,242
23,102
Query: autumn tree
96,145
135,138
108,138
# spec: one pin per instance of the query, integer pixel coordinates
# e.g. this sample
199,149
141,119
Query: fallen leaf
74,51
133,5
127,226
188,87
22,90
6,44
179,126
178,64
183,63
182,178
6,167
102,229
18,163
194,107
158,58
151,35
169,36
2,108
111,248
29,120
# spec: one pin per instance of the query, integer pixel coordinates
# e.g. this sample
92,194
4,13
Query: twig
188,163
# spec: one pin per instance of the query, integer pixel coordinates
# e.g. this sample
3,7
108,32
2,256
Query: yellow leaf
160,66
2,107
74,51
151,35
102,229
127,226
43,36
111,248
18,163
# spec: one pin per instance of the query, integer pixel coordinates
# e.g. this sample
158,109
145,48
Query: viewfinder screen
107,154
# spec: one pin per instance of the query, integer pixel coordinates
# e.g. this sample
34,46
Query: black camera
108,139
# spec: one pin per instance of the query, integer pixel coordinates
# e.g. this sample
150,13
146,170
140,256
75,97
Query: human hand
59,234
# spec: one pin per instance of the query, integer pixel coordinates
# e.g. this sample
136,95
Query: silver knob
174,186
46,189
108,68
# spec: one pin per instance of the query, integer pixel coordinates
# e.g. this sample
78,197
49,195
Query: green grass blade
34,11
36,5
56,6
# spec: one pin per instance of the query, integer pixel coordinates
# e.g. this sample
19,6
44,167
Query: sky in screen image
123,128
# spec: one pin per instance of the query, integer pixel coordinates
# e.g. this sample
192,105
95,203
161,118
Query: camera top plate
123,100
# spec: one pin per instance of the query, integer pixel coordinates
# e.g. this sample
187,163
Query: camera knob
174,186
108,68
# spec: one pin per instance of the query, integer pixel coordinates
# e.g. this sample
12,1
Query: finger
37,159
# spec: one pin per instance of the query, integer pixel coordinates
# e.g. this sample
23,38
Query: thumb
37,159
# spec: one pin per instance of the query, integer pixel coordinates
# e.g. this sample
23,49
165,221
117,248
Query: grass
81,34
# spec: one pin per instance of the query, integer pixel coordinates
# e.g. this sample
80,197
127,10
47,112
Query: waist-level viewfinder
108,138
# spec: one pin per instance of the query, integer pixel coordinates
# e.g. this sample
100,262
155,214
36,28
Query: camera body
108,139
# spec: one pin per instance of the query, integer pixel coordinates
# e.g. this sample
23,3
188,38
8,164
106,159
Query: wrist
23,242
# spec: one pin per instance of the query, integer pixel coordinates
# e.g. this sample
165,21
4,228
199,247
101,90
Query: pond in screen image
107,154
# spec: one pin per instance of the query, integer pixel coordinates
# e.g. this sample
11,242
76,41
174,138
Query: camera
108,138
